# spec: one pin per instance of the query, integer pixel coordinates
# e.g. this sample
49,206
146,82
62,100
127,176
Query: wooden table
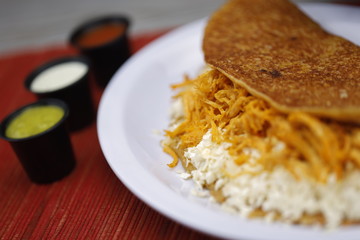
91,203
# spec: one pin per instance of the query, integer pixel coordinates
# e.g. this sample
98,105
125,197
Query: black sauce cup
76,95
105,58
47,156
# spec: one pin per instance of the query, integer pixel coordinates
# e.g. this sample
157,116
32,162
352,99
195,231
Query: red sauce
101,35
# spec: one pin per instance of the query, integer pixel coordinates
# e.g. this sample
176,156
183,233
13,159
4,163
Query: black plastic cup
76,95
47,156
104,58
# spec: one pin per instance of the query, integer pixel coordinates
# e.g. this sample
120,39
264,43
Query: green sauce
34,120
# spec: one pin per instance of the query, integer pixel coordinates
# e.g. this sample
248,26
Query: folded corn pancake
258,131
279,54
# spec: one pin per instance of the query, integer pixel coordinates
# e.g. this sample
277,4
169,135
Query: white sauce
58,76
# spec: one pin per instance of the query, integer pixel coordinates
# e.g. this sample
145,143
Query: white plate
137,101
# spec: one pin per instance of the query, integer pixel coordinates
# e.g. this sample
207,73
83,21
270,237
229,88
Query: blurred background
34,23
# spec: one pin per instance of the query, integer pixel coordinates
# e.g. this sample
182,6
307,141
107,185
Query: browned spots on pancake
279,54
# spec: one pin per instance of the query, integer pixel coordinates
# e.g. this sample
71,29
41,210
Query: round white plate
136,104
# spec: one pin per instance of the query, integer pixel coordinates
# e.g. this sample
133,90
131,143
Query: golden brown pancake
279,54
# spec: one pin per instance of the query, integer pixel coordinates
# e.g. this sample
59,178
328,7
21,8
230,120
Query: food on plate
271,127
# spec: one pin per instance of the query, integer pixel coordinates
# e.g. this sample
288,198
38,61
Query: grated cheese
286,166
309,145
276,191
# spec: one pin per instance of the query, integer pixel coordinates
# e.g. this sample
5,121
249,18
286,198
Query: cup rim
42,102
89,24
38,70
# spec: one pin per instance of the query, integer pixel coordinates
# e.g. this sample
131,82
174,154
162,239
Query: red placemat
91,203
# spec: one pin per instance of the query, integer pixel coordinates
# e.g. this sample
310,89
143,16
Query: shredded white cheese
276,191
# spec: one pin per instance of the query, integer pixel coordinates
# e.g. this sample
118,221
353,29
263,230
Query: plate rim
149,200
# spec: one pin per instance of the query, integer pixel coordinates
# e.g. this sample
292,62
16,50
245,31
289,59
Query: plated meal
271,126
